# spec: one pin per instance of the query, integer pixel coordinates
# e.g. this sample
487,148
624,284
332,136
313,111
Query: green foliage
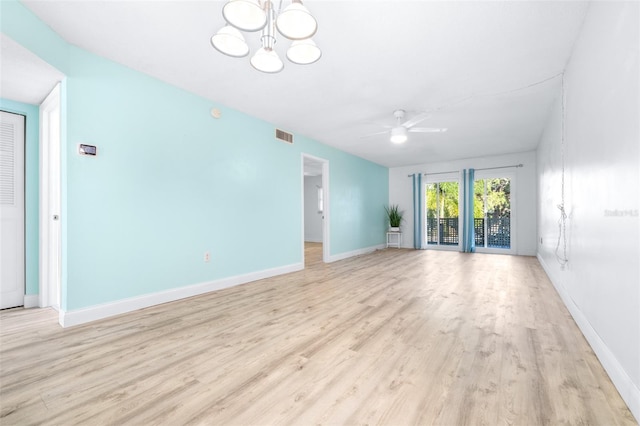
498,193
442,198
478,201
394,215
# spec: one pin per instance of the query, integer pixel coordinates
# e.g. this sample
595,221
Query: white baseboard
358,252
621,380
313,240
31,301
93,313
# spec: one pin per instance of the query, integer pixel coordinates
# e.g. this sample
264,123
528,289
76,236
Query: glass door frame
513,221
440,178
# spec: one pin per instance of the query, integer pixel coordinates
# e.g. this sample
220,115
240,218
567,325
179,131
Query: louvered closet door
11,210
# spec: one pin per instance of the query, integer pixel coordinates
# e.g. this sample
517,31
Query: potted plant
395,217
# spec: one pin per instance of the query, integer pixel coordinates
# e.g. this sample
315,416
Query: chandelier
295,22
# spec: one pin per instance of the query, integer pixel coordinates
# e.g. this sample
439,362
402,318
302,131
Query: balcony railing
498,231
448,231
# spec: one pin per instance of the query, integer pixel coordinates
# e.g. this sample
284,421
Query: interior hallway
312,254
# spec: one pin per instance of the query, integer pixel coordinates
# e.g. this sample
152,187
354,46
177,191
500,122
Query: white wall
312,218
523,190
601,282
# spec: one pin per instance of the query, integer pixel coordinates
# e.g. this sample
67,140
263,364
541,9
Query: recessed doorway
315,209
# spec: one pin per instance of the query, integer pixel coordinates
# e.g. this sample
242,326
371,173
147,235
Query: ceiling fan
399,132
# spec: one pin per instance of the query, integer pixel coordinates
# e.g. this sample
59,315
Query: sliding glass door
442,213
492,213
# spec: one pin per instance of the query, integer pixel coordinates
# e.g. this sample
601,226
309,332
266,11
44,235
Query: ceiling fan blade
374,134
427,130
415,120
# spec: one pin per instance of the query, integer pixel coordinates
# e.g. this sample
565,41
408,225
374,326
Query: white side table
394,239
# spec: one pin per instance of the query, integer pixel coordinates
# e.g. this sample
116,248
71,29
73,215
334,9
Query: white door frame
511,175
440,178
326,205
50,227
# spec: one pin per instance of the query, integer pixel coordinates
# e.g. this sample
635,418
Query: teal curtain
418,212
469,240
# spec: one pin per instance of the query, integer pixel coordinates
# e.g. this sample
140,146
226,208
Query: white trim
31,301
443,247
493,250
93,313
313,240
621,380
52,102
358,252
326,223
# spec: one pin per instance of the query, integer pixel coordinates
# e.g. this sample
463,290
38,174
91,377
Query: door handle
56,217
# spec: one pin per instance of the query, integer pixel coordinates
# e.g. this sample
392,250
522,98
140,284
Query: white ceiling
475,65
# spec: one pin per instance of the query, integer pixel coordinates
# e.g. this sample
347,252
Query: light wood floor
397,337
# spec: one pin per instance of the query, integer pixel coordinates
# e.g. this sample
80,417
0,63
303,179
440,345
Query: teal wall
21,25
170,182
32,177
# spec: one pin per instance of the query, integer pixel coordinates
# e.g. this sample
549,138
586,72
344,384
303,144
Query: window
442,213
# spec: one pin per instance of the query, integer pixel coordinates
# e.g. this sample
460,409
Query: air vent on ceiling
283,136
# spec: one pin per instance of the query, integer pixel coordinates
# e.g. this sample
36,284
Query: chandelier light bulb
296,22
267,60
304,52
230,41
246,15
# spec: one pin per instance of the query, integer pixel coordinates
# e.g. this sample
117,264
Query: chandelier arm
268,38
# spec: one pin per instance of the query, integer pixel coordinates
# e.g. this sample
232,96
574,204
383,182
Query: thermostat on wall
87,150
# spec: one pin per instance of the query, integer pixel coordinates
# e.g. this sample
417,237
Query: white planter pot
394,229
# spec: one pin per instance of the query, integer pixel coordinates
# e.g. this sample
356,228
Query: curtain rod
502,167
486,168
438,173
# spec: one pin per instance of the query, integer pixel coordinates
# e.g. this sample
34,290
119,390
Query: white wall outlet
207,257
